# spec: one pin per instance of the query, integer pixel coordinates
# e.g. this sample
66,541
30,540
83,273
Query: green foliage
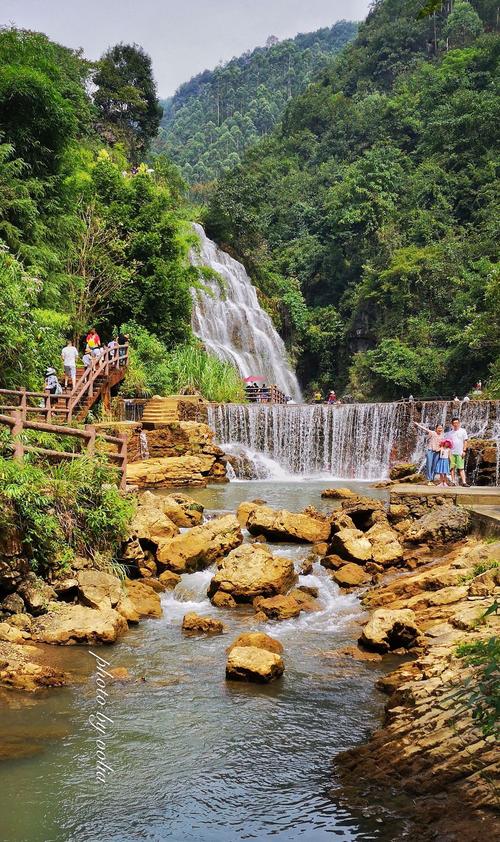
214,117
376,200
126,100
65,510
481,692
188,369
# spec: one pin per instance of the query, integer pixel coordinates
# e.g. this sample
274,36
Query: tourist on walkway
332,397
87,358
69,357
318,397
459,439
442,465
434,438
52,385
93,341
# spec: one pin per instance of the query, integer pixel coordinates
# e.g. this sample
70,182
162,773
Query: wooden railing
265,394
17,425
65,406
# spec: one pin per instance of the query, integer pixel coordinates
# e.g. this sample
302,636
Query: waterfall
348,441
230,322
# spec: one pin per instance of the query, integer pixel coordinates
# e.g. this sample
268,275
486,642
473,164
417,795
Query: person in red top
93,339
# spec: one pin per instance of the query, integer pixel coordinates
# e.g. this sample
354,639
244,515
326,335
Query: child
52,385
442,466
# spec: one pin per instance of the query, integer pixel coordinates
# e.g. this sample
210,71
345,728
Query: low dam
346,441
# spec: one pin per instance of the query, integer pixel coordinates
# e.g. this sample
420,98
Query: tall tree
126,99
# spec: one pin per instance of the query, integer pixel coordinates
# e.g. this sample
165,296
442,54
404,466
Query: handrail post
123,464
91,440
23,404
48,407
17,430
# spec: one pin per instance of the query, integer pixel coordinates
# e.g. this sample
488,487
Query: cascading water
349,441
231,323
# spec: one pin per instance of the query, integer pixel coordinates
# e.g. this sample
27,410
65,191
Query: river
193,756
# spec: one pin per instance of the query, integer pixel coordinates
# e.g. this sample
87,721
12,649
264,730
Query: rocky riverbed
424,582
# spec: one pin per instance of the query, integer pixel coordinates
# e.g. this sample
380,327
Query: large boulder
152,525
386,548
97,589
443,524
338,494
201,546
252,663
352,545
287,526
194,624
66,624
179,508
223,600
402,469
169,579
252,570
145,600
36,593
390,629
170,471
259,640
279,607
351,576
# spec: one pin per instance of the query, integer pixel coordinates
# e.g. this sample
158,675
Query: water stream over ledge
195,757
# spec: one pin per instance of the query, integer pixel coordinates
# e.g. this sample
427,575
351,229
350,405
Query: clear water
193,756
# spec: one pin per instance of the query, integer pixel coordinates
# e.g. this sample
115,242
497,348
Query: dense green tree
126,99
220,113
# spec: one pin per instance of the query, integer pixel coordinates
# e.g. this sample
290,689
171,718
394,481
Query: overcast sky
183,37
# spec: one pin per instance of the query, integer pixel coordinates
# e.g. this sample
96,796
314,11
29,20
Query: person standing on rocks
434,438
459,439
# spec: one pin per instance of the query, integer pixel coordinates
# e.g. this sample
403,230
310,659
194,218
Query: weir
230,322
347,441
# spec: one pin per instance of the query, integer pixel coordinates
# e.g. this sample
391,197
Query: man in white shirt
459,438
69,357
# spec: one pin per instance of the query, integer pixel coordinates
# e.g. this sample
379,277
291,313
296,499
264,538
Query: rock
355,653
21,621
154,583
372,567
332,562
320,548
351,576
146,565
250,663
179,508
390,629
201,546
259,640
170,471
144,599
306,567
485,583
66,624
194,624
126,609
351,545
467,617
13,566
338,493
120,673
305,601
250,571
67,588
402,469
309,589
11,634
169,579
258,539
98,589
341,520
386,548
243,511
287,526
12,604
223,600
441,525
278,607
398,511
151,524
19,672
36,594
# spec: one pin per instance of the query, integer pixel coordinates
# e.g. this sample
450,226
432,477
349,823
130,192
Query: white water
350,441
231,323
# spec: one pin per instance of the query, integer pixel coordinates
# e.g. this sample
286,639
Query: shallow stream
193,756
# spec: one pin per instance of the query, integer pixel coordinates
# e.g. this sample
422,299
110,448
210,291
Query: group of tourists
93,350
330,399
445,457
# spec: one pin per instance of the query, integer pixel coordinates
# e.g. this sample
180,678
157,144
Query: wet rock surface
252,663
251,571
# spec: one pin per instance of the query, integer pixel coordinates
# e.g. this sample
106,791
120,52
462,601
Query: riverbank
325,702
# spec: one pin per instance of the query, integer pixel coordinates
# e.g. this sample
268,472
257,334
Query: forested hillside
218,114
369,217
87,239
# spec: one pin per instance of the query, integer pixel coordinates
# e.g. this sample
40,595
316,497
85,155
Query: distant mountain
212,119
